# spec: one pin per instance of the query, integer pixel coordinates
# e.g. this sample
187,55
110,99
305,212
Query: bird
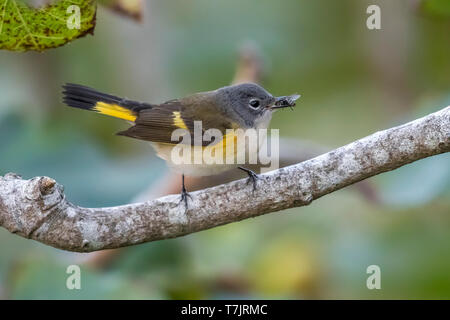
241,106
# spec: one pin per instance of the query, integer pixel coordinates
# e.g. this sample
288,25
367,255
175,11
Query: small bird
241,106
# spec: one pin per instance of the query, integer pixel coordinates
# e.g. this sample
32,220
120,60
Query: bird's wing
157,124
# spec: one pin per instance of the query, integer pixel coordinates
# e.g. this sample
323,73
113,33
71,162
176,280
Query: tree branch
37,208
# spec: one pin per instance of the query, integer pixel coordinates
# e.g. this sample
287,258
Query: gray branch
37,208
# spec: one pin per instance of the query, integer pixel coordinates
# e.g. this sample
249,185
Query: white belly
164,151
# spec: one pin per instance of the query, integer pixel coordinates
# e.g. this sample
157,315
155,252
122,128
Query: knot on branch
42,188
39,198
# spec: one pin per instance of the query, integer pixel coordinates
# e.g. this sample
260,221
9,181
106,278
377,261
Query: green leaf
23,28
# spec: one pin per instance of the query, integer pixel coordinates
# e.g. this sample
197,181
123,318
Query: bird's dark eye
254,103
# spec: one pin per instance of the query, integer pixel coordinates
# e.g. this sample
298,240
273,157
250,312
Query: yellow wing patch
115,111
177,121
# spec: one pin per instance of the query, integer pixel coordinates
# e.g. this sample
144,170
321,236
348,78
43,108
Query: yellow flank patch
227,144
177,121
114,110
231,140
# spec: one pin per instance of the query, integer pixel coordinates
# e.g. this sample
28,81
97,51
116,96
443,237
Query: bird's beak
285,101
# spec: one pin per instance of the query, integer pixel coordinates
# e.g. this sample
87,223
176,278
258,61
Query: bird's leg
253,177
184,194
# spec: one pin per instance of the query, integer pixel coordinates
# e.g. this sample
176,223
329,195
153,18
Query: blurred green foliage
353,82
437,7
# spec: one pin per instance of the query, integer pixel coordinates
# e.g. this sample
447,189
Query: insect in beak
285,102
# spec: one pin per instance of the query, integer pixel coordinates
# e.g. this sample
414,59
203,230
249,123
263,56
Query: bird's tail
86,98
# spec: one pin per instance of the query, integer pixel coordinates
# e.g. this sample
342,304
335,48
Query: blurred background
353,82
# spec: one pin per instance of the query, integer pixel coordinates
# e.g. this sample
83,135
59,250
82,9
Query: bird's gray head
250,104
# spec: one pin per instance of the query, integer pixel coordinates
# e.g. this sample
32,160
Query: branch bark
37,208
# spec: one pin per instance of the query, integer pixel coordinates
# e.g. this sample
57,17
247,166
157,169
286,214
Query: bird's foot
184,198
252,177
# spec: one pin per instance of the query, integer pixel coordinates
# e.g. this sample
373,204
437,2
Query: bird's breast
238,148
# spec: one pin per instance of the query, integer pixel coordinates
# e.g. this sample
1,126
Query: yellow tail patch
114,110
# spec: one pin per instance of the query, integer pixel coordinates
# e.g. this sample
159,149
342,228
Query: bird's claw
252,177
